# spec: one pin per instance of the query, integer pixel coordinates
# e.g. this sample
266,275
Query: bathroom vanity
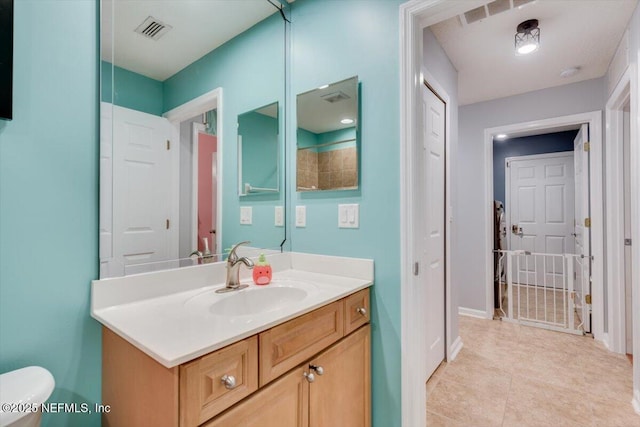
295,353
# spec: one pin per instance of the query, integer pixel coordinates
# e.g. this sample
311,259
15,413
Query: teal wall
133,90
309,139
337,135
49,202
331,41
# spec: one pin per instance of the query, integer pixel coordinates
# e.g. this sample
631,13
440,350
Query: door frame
615,216
415,15
594,120
211,100
507,181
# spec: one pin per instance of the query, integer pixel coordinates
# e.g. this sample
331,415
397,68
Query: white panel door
539,208
142,188
582,230
432,240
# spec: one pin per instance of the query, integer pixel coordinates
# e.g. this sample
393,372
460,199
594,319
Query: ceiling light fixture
346,121
569,72
527,38
501,136
323,87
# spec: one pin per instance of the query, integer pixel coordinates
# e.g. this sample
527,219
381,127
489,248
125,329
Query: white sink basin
257,300
252,300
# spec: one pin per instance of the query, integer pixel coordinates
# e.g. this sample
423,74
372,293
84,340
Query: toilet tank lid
32,384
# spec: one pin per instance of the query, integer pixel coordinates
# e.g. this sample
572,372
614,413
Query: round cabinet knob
310,377
362,310
229,382
319,370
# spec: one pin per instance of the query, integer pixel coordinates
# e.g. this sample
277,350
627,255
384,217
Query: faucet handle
233,257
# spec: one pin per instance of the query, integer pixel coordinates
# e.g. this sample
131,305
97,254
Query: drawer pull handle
319,370
310,377
362,310
229,381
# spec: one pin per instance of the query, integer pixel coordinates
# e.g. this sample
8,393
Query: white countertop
179,324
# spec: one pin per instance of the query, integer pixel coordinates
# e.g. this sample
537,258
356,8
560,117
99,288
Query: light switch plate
349,216
301,216
279,215
246,215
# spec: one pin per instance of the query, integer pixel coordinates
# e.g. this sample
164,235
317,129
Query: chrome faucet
233,270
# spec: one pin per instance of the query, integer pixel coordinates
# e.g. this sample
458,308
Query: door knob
229,381
319,370
310,377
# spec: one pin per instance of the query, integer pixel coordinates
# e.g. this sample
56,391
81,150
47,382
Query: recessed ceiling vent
491,9
334,97
153,28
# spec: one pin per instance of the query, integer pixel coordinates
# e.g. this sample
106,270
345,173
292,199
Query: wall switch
279,214
301,216
246,215
349,216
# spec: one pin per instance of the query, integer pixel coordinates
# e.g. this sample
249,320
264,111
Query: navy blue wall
524,146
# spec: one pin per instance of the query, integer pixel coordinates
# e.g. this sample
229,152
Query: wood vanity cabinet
311,371
339,397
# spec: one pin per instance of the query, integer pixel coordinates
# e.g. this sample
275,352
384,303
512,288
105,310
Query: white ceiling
573,33
199,26
317,115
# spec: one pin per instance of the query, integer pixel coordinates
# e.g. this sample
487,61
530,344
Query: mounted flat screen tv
6,59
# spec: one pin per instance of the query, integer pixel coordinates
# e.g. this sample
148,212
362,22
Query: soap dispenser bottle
262,271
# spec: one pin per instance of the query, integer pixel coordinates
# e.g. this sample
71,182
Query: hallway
511,375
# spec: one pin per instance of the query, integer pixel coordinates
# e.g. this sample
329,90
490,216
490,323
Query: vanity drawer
285,346
202,391
356,311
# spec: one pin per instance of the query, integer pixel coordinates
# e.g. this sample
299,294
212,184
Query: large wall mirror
193,97
328,137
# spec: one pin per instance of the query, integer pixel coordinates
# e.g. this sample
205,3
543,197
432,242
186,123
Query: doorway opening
197,124
538,243
541,258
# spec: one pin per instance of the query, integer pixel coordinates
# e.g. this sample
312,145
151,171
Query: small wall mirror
258,148
328,138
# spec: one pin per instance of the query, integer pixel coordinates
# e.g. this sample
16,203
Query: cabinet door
284,403
356,311
202,392
341,395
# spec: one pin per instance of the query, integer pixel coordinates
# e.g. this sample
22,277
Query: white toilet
30,386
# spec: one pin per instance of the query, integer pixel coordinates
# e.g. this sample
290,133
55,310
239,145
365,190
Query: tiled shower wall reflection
327,170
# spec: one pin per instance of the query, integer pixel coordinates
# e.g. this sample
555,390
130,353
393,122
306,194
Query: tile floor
511,375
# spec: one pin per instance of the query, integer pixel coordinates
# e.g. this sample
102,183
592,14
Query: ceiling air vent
153,28
474,15
491,9
335,96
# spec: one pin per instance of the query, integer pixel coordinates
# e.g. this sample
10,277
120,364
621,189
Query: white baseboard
464,311
605,341
636,401
455,349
